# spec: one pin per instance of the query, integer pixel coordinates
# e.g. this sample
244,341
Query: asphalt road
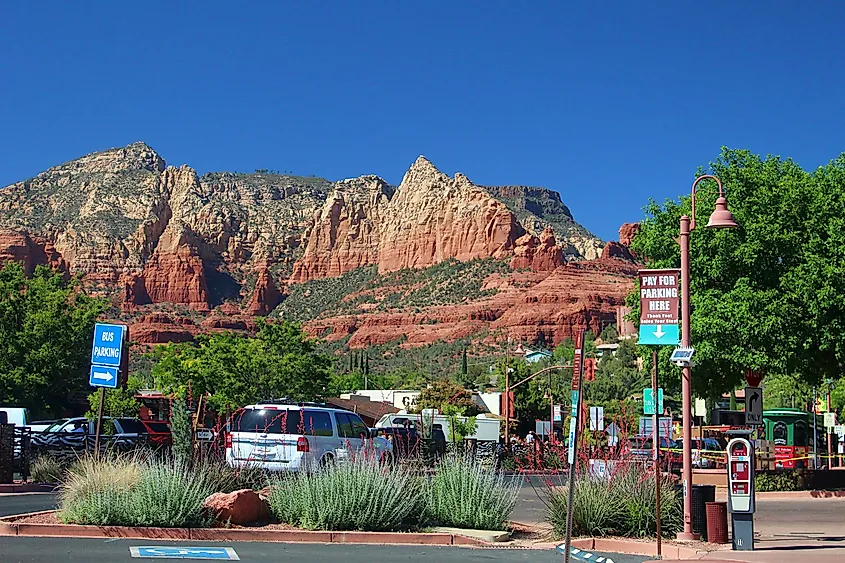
29,502
38,550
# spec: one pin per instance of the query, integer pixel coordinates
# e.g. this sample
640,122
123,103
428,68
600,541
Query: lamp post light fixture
720,219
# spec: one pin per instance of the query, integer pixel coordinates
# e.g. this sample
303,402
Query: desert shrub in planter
463,494
46,469
623,504
131,491
359,494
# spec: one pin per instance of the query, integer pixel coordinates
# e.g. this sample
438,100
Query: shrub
785,481
463,494
130,491
46,469
95,490
622,504
227,479
356,495
170,495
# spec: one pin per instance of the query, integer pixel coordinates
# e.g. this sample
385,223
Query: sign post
659,319
577,375
108,360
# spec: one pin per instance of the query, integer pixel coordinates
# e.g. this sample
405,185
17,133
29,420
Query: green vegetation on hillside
448,282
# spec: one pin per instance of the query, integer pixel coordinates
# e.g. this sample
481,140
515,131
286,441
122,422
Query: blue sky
609,103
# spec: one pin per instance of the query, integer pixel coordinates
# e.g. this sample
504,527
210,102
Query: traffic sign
659,307
829,419
557,413
596,418
175,552
648,400
103,376
753,406
612,432
108,344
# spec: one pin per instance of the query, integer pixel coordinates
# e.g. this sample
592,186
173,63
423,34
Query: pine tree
464,365
180,425
366,363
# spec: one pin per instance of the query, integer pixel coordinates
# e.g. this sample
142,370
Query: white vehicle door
320,432
348,432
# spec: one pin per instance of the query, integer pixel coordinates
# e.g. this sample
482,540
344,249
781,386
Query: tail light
228,441
302,444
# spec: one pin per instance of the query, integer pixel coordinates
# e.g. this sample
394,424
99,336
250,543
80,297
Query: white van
486,429
290,437
17,415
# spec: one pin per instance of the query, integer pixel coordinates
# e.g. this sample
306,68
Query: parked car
18,416
68,438
707,453
42,425
159,432
405,442
641,449
291,437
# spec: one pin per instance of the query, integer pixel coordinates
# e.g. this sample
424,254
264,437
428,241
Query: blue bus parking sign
108,345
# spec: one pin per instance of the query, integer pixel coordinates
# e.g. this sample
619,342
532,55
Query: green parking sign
648,401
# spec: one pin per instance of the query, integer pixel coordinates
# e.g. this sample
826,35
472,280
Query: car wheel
327,461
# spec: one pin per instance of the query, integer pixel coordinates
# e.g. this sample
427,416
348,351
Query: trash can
717,522
701,495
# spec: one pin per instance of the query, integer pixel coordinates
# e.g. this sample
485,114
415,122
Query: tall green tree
46,329
767,295
280,361
444,391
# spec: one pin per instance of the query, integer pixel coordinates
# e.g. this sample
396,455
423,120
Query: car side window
76,426
359,429
344,425
318,423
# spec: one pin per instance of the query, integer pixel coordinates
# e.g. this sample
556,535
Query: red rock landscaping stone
240,507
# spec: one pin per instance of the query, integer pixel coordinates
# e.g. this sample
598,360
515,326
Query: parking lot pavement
38,550
26,502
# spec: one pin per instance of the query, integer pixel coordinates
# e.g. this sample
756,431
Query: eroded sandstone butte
228,245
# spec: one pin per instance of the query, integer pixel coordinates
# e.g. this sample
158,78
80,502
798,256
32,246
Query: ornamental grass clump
46,469
463,494
356,495
623,503
134,491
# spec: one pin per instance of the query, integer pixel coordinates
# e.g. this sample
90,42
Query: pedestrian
529,437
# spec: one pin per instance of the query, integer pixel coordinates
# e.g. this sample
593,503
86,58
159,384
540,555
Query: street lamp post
720,219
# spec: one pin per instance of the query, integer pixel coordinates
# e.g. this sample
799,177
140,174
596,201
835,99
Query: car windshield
55,426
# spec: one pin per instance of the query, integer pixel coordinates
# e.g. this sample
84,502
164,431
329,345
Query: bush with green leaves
356,495
623,504
135,491
46,469
779,481
464,494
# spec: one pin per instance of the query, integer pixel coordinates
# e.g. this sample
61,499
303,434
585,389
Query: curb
10,528
631,547
28,488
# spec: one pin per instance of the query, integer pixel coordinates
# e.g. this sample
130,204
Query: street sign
557,414
829,419
612,431
103,376
596,418
659,307
839,430
700,408
174,552
648,400
108,345
205,435
753,406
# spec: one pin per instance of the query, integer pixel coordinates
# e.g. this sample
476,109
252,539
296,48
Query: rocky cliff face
147,233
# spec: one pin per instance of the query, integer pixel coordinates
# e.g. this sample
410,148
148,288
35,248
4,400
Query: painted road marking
584,555
160,552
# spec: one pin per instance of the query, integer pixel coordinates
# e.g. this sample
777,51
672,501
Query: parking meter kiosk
741,492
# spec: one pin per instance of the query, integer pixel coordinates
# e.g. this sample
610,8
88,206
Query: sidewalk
823,550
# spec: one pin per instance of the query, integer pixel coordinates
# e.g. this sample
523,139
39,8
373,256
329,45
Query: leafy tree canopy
46,330
445,392
280,361
769,294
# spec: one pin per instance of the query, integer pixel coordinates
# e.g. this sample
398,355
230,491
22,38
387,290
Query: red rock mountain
232,246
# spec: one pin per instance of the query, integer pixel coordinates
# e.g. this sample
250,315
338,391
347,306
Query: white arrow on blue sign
161,552
103,376
108,345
